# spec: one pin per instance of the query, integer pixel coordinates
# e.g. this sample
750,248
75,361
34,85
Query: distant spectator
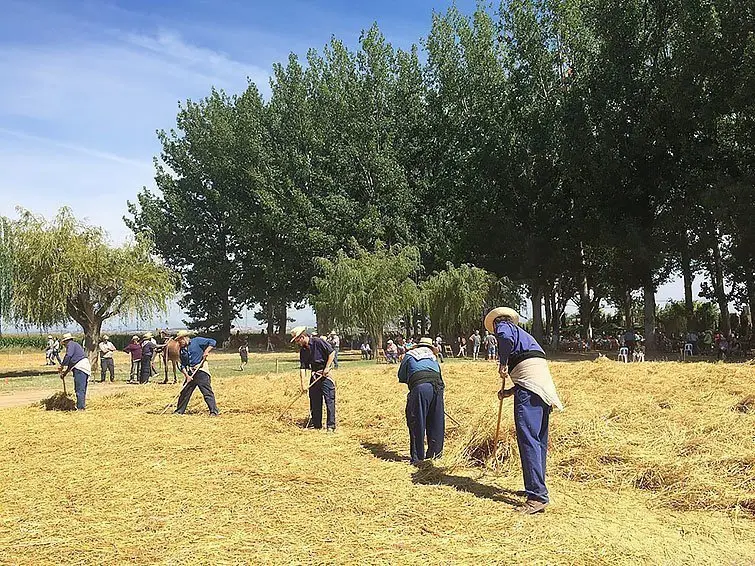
490,345
244,353
439,346
462,343
107,364
391,352
335,341
476,340
135,349
366,350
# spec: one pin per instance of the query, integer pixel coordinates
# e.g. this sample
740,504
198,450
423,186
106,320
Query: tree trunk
628,322
91,340
555,321
537,313
750,286
717,273
225,318
548,315
649,299
269,317
585,305
281,318
689,306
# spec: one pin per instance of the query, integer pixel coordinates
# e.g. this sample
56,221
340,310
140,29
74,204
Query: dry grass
650,463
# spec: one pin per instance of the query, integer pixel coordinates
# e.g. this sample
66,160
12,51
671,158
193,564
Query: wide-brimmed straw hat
147,335
425,341
497,312
134,337
49,335
296,332
104,337
182,333
67,336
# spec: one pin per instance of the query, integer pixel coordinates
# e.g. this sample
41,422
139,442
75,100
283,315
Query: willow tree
64,270
457,298
368,290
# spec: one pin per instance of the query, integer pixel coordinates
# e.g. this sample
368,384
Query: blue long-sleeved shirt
315,357
74,354
515,344
419,360
192,354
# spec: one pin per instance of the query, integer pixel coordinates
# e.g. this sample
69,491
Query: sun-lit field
649,463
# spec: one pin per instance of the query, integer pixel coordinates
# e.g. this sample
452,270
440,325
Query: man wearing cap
317,355
148,348
522,359
76,360
420,370
106,358
135,349
194,352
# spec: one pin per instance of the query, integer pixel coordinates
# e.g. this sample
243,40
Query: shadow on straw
434,476
380,451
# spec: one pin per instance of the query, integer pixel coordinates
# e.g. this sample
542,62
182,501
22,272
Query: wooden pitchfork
303,391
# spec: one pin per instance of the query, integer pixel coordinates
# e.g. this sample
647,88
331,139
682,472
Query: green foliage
19,342
673,317
368,290
64,269
457,298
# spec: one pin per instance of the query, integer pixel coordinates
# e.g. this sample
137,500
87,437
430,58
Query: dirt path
25,397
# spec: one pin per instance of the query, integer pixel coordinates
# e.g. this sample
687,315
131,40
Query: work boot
531,507
331,429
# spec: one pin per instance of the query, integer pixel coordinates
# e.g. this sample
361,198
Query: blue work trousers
80,388
425,415
531,416
323,389
200,379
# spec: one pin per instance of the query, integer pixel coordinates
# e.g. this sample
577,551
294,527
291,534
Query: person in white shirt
335,341
106,358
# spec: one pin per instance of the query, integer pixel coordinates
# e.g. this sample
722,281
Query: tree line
585,149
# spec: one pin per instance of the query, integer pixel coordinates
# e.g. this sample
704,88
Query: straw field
649,463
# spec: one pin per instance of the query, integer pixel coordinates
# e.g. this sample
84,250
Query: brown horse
171,351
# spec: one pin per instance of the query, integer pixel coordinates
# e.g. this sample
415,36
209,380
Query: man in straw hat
522,359
317,355
194,352
420,370
107,364
76,360
148,350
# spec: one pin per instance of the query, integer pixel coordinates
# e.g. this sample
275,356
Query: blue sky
86,84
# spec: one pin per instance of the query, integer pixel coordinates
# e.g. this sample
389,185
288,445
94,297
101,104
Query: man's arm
302,376
329,363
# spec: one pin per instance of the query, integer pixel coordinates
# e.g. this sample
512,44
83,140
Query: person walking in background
48,351
335,341
317,355
462,342
106,358
425,414
76,361
439,347
148,349
244,353
135,349
522,359
194,352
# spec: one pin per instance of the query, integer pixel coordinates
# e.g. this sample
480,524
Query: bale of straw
59,402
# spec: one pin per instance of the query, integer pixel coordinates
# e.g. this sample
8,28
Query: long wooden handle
299,396
64,387
498,426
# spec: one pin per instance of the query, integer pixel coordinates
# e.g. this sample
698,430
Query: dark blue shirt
192,354
74,354
515,344
147,348
316,356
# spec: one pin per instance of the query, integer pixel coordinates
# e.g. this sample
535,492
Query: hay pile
649,464
59,402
